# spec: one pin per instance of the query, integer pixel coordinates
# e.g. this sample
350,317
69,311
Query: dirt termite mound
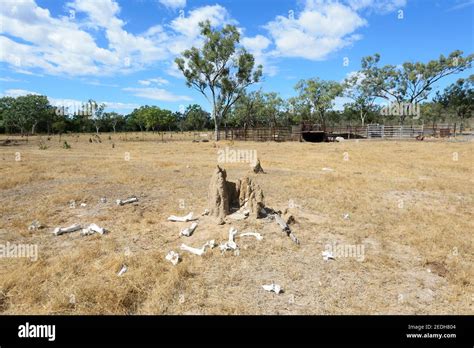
226,197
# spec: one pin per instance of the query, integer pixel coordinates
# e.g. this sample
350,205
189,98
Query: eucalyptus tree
219,70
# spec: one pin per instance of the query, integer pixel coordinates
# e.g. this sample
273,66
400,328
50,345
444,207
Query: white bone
205,212
91,229
35,225
185,218
199,251
83,205
188,231
192,250
327,255
127,201
60,230
210,244
254,234
230,244
325,169
122,271
173,257
273,287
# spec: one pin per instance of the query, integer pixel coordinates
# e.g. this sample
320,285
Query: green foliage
66,145
319,95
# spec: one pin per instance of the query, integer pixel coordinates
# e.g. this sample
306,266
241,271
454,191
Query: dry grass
410,205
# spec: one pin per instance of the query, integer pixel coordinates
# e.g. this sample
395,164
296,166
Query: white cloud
159,81
156,94
258,46
9,79
321,28
18,92
66,45
173,4
187,31
380,6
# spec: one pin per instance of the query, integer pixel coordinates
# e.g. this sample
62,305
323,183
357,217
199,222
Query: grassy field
409,205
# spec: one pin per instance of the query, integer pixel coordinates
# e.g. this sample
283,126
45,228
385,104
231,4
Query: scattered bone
273,287
205,212
346,216
185,218
196,251
35,225
60,230
327,255
199,251
103,200
83,205
188,231
325,169
91,229
127,201
122,270
252,234
285,228
257,168
230,244
173,257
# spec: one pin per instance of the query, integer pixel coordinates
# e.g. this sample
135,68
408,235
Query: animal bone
273,287
173,257
284,226
91,229
60,230
192,250
205,212
185,218
35,225
327,169
254,234
199,251
122,271
83,205
127,201
189,231
230,244
210,244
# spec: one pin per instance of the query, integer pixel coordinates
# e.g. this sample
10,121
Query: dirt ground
407,205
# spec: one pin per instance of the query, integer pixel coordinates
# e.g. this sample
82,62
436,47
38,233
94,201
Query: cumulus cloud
173,4
36,40
320,29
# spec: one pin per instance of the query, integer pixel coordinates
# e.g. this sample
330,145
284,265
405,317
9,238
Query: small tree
320,95
459,97
362,93
217,71
97,115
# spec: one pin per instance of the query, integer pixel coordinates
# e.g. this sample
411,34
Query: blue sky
122,52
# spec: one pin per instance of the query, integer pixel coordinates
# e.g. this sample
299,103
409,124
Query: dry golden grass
410,205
